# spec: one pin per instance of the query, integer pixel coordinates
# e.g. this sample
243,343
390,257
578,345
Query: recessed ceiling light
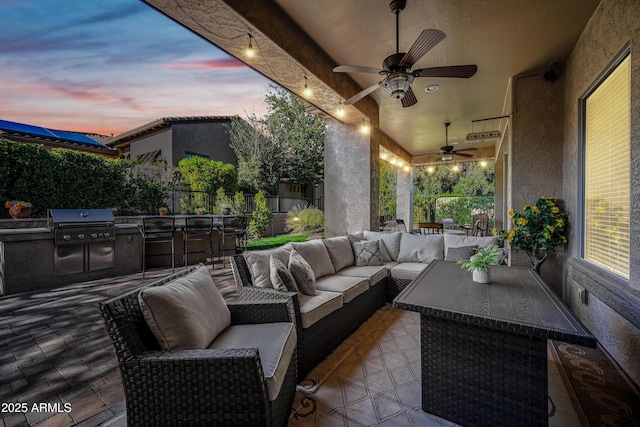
431,88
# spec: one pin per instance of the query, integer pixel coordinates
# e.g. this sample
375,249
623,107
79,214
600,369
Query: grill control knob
80,236
66,237
107,234
94,236
101,235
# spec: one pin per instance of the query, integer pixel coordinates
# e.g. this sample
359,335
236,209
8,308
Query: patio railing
276,203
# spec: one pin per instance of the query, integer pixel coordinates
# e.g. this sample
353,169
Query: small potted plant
479,263
163,211
18,208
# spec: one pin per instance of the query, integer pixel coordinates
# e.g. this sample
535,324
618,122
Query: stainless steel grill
74,226
83,239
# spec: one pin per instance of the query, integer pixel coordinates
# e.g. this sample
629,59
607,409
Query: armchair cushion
276,343
187,313
281,277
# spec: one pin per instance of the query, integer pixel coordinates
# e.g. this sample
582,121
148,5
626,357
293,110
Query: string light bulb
250,51
483,163
431,169
455,168
407,168
307,92
364,128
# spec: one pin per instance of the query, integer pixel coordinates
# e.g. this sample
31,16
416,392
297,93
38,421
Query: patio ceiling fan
447,150
397,67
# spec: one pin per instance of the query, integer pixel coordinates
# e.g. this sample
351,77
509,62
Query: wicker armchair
196,387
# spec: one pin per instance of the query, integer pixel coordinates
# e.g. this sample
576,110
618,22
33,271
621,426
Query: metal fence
207,201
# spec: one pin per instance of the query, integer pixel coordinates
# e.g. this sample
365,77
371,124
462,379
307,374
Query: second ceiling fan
397,67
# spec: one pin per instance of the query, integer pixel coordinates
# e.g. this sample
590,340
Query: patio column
404,197
351,175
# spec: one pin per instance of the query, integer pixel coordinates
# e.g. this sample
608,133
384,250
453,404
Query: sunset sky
108,66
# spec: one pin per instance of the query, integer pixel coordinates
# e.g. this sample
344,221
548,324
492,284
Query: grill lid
100,217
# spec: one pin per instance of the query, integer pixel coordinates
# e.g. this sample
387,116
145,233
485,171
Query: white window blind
607,171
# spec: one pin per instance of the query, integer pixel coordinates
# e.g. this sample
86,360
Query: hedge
68,179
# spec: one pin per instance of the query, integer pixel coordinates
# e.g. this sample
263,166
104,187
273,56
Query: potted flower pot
20,212
481,276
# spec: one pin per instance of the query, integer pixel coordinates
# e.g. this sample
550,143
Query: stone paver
57,365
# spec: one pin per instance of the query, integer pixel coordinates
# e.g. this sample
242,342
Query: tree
205,177
260,217
258,155
388,189
286,143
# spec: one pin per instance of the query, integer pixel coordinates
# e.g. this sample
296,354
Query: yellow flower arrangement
537,230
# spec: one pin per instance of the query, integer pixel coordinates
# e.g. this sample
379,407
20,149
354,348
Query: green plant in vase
479,263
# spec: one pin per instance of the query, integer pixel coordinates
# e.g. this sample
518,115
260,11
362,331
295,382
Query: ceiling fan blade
358,96
426,41
467,149
456,71
357,69
462,154
409,99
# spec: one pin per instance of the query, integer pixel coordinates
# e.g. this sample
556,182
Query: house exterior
54,138
170,139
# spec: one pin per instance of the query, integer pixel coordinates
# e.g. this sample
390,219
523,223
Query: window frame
581,212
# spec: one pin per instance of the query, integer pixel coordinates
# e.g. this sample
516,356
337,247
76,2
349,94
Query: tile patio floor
54,349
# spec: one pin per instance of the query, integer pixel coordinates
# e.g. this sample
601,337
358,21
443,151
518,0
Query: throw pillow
186,313
367,253
258,262
461,253
419,248
302,273
281,277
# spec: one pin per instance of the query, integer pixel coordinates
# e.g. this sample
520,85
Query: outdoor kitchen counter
27,256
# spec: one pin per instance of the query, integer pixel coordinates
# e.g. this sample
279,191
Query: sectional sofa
353,276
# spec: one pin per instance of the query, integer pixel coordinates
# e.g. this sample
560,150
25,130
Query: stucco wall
350,175
612,312
208,139
536,156
157,141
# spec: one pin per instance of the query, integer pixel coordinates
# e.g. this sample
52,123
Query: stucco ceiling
504,38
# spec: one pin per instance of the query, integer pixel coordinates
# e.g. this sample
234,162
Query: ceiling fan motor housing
397,84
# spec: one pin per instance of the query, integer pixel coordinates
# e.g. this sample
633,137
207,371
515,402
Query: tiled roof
164,122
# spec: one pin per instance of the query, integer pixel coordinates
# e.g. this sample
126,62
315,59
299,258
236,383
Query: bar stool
197,228
158,229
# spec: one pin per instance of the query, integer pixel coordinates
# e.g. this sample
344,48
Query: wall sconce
307,92
340,111
250,52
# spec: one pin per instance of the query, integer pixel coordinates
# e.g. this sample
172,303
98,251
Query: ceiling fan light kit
397,67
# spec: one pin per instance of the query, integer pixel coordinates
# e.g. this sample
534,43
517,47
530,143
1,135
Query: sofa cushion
302,273
314,308
390,265
186,313
367,252
281,277
258,262
349,287
391,241
407,270
340,252
276,343
457,241
316,254
373,273
419,248
461,253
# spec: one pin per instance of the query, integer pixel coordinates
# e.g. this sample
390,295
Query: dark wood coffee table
484,347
